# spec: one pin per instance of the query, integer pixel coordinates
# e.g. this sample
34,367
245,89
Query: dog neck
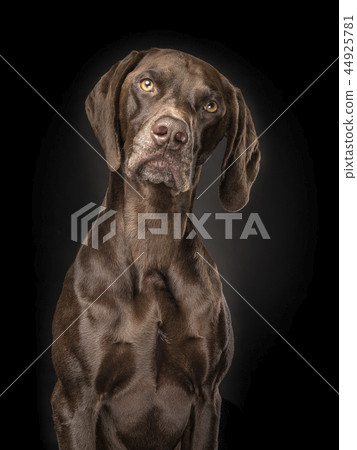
150,218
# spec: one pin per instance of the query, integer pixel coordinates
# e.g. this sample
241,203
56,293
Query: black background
274,398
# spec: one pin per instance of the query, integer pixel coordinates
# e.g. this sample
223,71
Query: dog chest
161,345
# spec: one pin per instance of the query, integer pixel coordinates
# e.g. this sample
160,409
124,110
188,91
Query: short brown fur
141,368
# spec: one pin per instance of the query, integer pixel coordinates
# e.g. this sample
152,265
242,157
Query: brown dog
142,331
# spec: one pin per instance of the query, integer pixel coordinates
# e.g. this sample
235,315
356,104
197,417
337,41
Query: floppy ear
242,157
102,107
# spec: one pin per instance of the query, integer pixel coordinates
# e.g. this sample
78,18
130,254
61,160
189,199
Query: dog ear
102,107
241,160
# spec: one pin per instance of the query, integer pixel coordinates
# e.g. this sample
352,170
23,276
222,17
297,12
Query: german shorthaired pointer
142,330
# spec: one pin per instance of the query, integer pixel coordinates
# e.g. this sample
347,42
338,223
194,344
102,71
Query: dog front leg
75,420
202,430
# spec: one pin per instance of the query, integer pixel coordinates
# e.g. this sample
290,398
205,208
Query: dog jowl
142,331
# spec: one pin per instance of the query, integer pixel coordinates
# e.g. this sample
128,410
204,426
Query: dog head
161,113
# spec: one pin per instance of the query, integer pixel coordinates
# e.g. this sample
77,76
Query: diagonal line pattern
88,143
271,326
69,326
68,123
268,127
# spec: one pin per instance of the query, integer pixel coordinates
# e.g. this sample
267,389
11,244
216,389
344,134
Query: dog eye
147,85
211,107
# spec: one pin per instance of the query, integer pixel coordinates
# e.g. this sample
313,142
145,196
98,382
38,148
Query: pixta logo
159,224
253,226
81,220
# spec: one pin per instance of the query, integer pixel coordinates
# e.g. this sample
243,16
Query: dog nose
171,132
